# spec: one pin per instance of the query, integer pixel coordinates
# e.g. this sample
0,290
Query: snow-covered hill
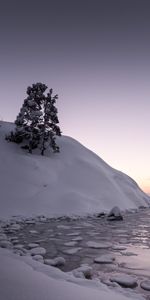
76,181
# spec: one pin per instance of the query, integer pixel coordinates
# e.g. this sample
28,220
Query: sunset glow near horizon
96,57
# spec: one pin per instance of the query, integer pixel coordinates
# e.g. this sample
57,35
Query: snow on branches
37,121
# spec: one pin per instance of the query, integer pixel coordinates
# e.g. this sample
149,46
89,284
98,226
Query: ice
97,245
63,227
73,233
119,247
70,244
72,251
33,231
128,253
77,239
105,259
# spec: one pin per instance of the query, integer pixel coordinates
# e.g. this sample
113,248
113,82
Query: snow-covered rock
5,244
72,251
39,258
15,227
57,261
33,245
33,231
84,271
125,280
3,236
37,251
18,246
115,214
145,285
37,185
105,259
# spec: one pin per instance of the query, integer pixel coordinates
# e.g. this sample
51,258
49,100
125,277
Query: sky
95,54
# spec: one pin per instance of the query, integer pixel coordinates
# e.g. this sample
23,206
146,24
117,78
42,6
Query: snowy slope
76,181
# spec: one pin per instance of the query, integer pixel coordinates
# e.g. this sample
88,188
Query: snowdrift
75,181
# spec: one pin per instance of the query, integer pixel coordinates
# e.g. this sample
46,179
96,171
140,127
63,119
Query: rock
37,251
30,222
42,219
115,214
101,215
145,285
126,281
96,245
105,259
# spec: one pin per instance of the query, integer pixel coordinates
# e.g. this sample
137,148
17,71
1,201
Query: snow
75,181
33,280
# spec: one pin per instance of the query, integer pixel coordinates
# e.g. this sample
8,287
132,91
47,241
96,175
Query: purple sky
96,56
